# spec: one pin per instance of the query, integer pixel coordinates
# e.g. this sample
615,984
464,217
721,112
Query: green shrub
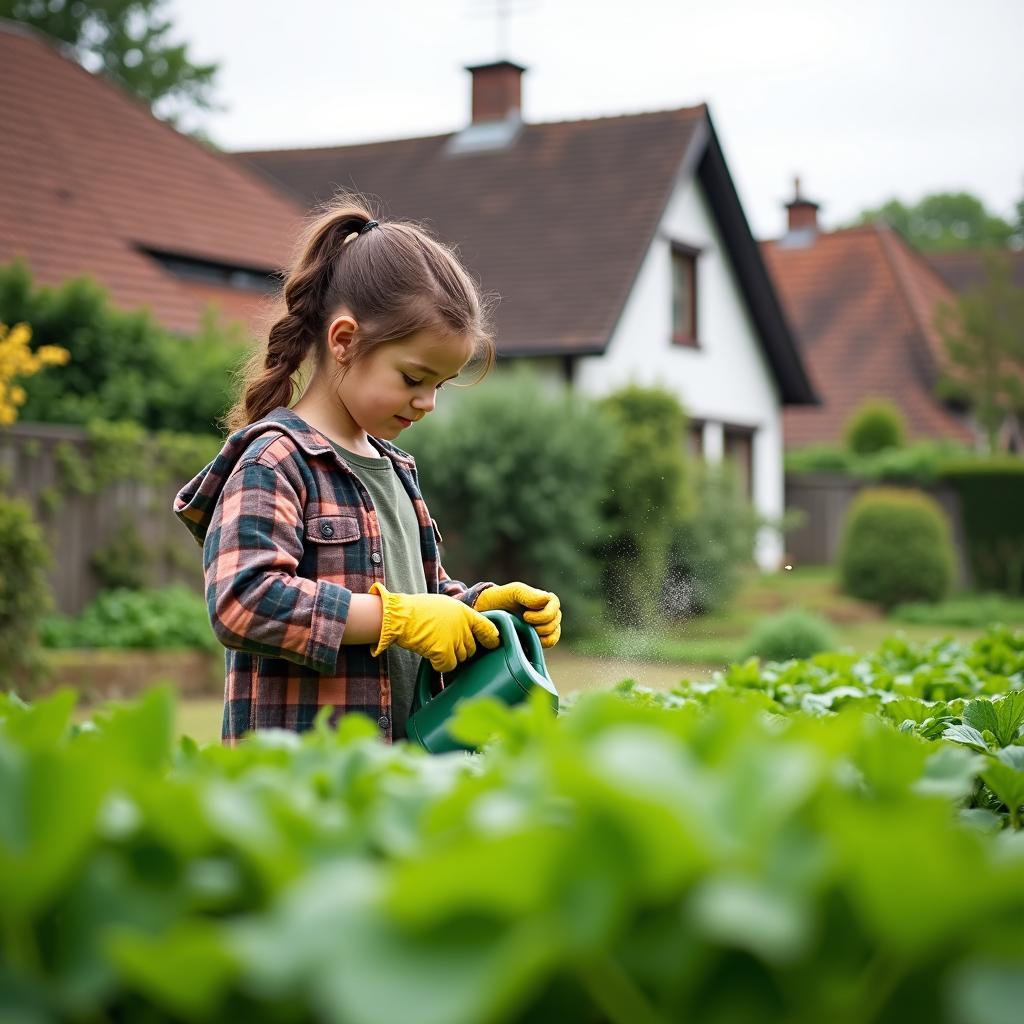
991,492
123,366
25,595
514,476
876,425
896,548
645,496
794,633
122,563
712,546
167,619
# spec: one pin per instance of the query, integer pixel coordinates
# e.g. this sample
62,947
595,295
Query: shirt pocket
332,550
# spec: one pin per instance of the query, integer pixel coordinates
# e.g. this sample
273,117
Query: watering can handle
508,625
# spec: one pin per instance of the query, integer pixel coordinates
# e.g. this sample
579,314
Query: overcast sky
863,100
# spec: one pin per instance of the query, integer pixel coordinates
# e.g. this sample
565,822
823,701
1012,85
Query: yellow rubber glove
540,608
439,628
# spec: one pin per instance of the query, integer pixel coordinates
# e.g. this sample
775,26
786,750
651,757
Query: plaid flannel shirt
289,533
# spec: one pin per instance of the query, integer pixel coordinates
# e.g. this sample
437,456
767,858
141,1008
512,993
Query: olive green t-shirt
403,565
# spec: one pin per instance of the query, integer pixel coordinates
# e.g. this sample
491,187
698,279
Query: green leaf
968,736
981,715
950,772
984,992
186,970
747,914
1004,775
1010,716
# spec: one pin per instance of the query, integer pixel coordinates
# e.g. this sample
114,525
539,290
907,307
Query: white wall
727,380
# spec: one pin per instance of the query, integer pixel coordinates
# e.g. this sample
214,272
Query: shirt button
383,721
326,530
375,558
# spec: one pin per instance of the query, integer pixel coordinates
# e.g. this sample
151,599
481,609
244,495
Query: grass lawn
719,638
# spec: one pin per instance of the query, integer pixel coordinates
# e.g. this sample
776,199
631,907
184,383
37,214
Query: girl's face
397,382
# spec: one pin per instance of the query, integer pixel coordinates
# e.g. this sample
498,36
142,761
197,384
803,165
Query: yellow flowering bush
18,360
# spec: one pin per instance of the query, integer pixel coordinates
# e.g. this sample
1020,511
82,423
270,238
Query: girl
323,579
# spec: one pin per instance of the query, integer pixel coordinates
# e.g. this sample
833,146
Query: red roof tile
862,302
90,179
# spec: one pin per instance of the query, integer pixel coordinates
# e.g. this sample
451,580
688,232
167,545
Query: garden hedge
992,500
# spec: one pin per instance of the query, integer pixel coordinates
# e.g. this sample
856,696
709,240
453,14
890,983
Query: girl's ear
340,333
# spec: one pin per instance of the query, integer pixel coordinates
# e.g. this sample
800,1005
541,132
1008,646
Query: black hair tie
368,226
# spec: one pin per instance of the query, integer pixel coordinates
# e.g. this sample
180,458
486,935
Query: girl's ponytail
268,377
395,280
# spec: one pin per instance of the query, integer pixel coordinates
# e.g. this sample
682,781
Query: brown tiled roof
90,179
558,221
966,267
862,303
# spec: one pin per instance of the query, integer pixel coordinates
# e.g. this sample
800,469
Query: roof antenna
502,10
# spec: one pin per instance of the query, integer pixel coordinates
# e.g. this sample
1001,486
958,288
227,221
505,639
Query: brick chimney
497,92
802,228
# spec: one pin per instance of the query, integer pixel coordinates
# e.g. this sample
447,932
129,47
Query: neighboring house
619,249
862,302
963,268
92,183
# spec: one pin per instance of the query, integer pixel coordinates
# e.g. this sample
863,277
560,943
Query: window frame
680,250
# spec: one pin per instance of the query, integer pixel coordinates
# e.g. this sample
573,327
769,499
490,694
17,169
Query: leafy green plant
896,548
877,424
25,595
794,633
166,619
645,857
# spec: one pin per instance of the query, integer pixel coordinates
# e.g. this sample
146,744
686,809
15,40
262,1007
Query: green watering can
509,672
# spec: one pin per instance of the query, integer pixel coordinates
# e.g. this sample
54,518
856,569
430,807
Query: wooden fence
33,457
824,498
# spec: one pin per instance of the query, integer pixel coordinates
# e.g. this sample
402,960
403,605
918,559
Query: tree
126,40
983,332
943,221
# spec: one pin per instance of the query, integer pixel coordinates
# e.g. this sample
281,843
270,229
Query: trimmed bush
896,548
25,595
992,499
876,425
794,633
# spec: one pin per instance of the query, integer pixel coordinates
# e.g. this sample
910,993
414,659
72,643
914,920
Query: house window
187,268
738,448
684,295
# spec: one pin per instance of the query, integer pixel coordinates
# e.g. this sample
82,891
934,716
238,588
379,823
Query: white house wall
727,381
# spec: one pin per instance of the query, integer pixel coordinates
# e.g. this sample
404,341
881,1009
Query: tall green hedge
992,501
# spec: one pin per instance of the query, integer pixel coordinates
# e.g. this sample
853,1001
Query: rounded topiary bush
896,547
794,633
876,425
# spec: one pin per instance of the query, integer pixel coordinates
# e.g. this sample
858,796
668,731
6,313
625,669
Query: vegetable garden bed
831,840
